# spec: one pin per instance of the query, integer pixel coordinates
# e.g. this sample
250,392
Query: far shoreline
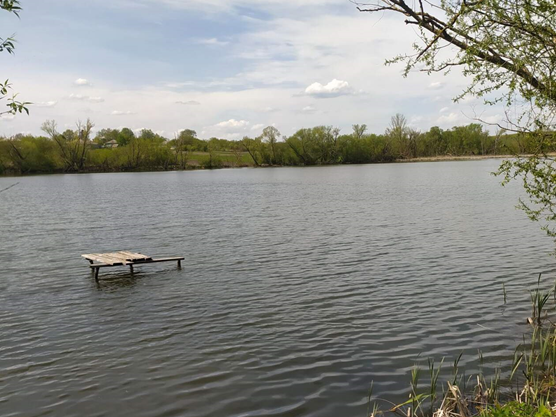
191,168
442,158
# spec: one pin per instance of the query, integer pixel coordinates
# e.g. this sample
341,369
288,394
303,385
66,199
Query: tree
183,144
214,160
106,135
188,136
435,142
125,136
252,147
327,138
359,130
398,135
504,47
237,149
8,44
507,50
72,145
318,145
147,134
302,144
270,136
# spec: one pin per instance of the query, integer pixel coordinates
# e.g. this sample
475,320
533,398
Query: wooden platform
123,258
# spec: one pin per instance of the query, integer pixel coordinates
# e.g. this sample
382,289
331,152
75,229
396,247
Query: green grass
516,409
222,158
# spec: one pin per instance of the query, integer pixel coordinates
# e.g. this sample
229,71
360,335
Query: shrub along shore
114,150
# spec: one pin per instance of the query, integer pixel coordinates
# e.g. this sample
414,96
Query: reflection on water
299,288
111,282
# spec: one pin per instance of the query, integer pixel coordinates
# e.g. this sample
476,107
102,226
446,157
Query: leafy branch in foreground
11,6
537,174
507,51
503,46
13,105
8,45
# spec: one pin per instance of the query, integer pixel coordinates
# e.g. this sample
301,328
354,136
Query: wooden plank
118,255
94,266
105,258
92,257
174,259
134,255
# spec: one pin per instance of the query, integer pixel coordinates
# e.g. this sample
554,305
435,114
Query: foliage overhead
506,47
8,45
507,50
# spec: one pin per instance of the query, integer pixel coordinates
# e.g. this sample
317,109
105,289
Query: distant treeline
123,150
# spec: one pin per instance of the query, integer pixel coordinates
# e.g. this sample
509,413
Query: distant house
111,144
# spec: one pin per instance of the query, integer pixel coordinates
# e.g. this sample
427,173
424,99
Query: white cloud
493,119
415,120
189,103
85,98
45,104
437,85
233,136
443,110
334,88
258,126
452,118
270,109
82,82
308,109
7,117
234,124
224,6
213,42
468,99
121,113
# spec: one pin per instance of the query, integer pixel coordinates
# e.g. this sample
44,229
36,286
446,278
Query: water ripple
299,288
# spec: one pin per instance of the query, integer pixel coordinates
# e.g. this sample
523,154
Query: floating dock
123,258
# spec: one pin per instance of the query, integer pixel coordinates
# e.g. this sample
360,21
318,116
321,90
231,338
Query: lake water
300,286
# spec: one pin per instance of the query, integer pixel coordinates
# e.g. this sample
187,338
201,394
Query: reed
528,388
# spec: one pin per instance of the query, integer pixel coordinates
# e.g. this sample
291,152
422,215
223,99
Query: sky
224,68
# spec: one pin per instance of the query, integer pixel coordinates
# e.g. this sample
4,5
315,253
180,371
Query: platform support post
96,273
131,269
179,263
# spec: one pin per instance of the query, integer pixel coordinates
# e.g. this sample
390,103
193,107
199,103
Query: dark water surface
300,287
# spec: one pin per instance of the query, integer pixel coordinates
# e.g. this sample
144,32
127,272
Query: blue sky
223,68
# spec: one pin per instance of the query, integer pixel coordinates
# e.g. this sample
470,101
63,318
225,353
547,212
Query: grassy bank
466,157
219,160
